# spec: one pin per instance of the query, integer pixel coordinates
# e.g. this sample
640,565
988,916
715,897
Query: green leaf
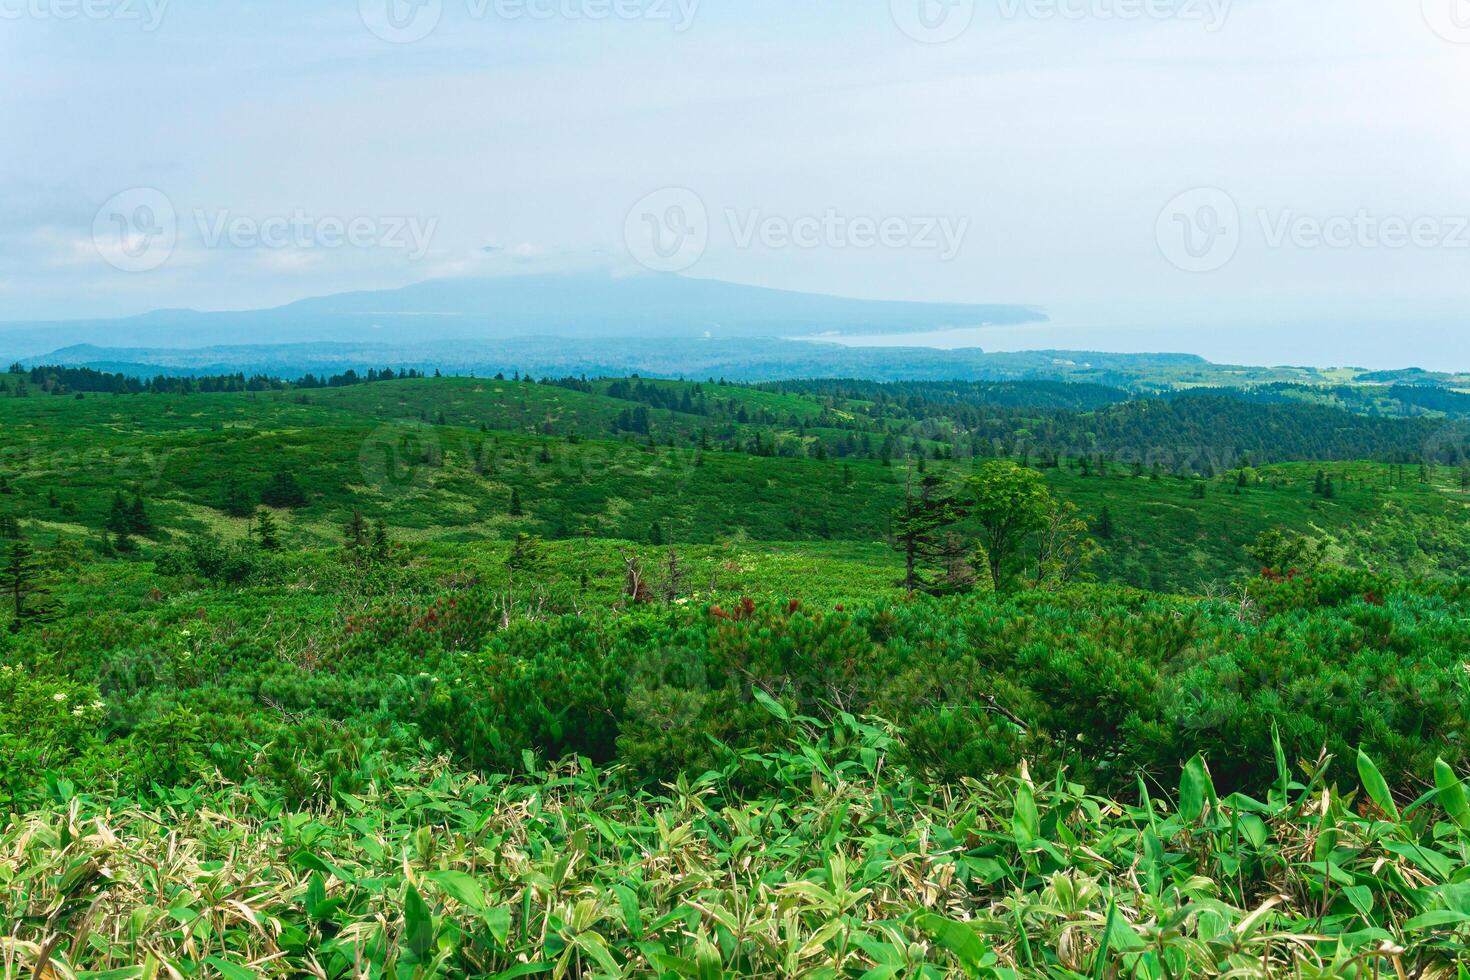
498,922
956,937
592,944
1283,772
632,917
771,704
461,887
311,862
707,960
1376,785
418,922
230,971
1192,790
1452,794
1437,919
1025,822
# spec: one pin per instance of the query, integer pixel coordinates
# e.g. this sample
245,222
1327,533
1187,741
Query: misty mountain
573,306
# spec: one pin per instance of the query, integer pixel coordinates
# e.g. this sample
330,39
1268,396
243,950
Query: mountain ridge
576,306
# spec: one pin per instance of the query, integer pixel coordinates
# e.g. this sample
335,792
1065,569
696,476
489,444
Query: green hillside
445,459
454,676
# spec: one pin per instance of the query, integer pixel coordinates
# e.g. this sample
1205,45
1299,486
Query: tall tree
29,601
382,546
119,517
355,535
1010,504
139,521
919,527
266,531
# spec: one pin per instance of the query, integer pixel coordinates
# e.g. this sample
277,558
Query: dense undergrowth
293,684
824,858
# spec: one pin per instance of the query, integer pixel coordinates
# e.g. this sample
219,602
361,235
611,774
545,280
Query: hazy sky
1259,177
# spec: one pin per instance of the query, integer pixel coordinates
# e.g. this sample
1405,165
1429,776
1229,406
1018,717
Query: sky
1265,181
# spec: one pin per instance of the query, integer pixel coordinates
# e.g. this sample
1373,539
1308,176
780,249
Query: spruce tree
266,531
29,601
138,520
382,547
356,534
120,518
919,532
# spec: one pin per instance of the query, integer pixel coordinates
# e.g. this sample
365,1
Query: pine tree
515,503
138,520
356,534
266,531
526,557
1105,524
382,547
919,531
29,601
119,518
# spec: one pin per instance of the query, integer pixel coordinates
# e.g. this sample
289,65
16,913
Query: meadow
492,677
